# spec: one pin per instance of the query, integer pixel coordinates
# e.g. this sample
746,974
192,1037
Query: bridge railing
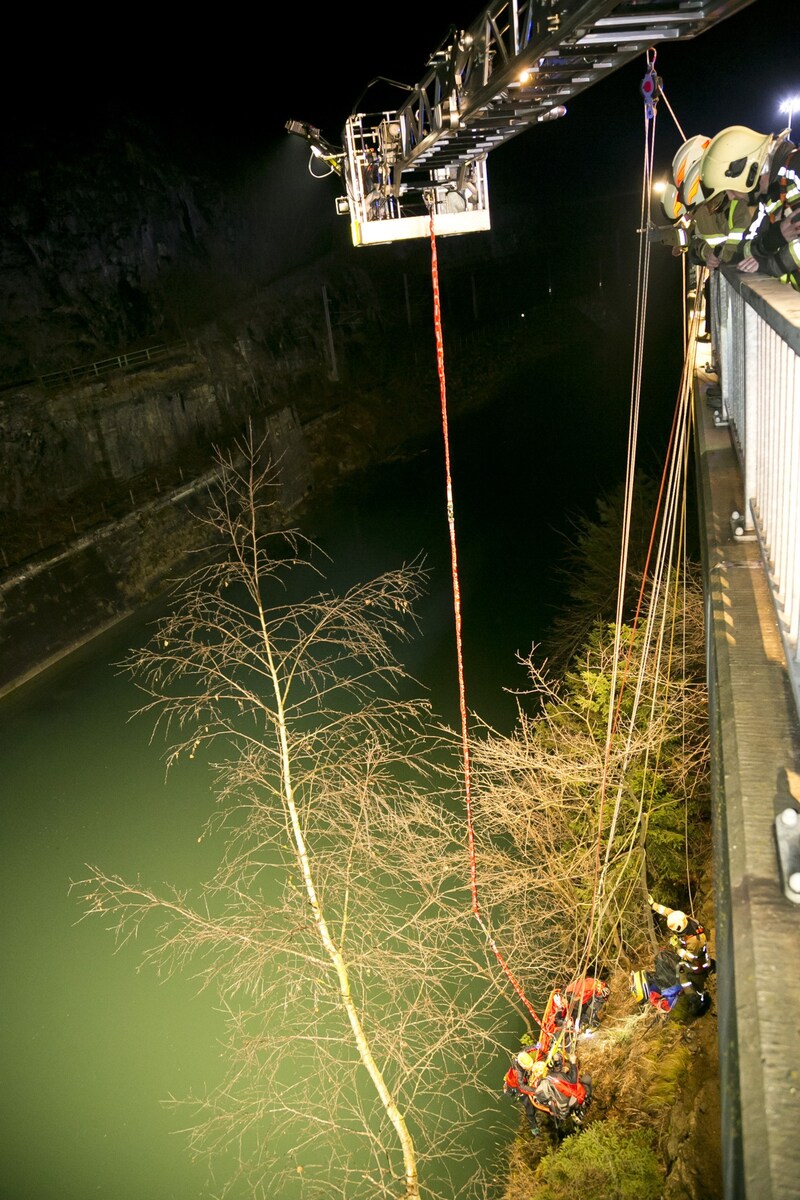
755,325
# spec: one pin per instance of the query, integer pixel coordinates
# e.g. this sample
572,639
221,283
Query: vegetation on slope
653,1127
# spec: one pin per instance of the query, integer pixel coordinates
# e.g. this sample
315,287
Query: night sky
223,89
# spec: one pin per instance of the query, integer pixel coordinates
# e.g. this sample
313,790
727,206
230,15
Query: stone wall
59,599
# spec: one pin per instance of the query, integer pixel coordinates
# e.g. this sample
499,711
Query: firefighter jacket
586,988
691,943
708,235
776,254
692,948
721,233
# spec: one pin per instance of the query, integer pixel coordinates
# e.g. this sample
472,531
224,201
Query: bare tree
361,1006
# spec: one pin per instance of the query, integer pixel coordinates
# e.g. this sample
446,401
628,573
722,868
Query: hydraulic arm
517,65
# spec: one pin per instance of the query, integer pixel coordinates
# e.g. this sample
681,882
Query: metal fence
120,362
756,332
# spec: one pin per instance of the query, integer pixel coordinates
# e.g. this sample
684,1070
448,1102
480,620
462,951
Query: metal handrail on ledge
119,362
755,325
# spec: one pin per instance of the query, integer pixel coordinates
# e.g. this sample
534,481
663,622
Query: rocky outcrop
114,243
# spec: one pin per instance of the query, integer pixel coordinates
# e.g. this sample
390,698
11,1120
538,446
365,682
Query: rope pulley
651,85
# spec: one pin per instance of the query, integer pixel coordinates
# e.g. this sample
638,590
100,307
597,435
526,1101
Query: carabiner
650,85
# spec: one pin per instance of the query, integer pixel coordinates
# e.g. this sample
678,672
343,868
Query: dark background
211,95
221,87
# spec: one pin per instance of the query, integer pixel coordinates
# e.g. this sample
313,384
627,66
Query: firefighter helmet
734,160
538,1071
525,1060
691,191
671,202
690,152
677,921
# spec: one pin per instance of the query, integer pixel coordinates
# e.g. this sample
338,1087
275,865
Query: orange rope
451,521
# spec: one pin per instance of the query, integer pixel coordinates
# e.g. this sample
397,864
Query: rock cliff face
650,1072
149,314
142,322
85,254
111,243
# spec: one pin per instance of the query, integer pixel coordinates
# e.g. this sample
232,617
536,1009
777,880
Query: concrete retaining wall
60,599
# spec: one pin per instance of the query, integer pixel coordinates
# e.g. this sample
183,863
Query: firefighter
561,1093
688,938
706,230
558,1006
521,1081
690,153
710,233
763,170
589,995
719,226
673,201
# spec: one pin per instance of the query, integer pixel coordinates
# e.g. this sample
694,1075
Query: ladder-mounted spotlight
320,148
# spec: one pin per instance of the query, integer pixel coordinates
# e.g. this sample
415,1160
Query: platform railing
755,325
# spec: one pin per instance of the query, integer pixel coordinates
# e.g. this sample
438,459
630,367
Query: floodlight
319,147
304,130
790,106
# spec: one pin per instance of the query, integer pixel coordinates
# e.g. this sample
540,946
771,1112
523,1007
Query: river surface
92,1047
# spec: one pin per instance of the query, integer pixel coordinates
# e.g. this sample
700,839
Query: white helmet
525,1060
676,921
691,192
690,152
671,202
734,160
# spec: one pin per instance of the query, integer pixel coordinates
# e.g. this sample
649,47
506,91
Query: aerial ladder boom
516,66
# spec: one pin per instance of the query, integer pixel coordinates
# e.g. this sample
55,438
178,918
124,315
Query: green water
93,1046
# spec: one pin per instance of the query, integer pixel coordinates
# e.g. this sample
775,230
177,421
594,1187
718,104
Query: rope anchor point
651,85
